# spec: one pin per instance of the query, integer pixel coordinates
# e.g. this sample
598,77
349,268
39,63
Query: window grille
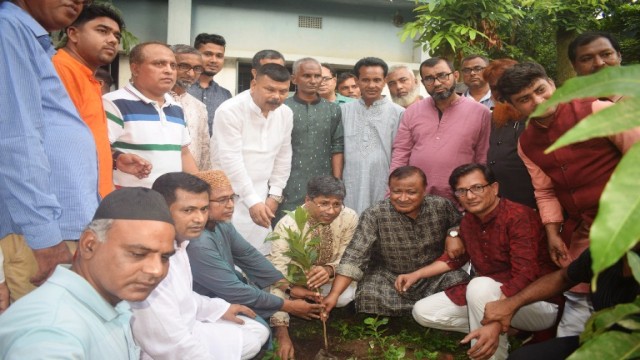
310,22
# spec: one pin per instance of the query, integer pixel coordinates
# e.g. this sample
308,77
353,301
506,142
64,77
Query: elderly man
477,88
79,312
403,86
92,41
395,236
442,132
48,167
216,253
145,120
190,65
370,125
506,245
568,182
335,225
174,321
347,85
252,145
212,47
317,138
327,88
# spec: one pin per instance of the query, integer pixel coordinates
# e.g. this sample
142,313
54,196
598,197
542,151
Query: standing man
252,145
397,235
569,181
442,132
212,47
327,88
92,41
370,125
477,88
593,51
145,120
48,167
347,85
190,66
403,86
80,312
317,140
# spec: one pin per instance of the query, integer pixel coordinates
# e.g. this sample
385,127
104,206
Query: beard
185,84
408,99
443,95
209,73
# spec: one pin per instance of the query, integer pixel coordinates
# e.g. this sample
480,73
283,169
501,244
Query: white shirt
255,154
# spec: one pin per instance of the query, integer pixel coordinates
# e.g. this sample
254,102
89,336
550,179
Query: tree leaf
613,80
602,320
616,228
634,263
610,345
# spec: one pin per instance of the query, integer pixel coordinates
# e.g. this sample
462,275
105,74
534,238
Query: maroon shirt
509,246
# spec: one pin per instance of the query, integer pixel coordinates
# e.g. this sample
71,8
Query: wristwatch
454,233
278,198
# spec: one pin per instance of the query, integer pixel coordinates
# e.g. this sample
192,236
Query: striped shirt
138,125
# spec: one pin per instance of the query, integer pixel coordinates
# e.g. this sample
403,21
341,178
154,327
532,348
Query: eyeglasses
475,69
225,200
186,67
325,206
475,189
326,78
429,80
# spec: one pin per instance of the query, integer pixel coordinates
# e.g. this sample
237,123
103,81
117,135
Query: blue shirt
48,166
66,318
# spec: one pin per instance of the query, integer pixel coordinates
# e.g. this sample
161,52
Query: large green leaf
604,319
622,116
617,80
634,263
616,228
611,345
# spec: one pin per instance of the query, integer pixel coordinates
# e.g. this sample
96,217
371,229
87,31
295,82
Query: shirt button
438,138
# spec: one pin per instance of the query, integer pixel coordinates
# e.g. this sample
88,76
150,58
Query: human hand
285,346
303,309
317,276
405,281
134,165
487,341
300,292
236,309
500,312
4,297
261,214
558,250
271,204
47,259
453,246
329,302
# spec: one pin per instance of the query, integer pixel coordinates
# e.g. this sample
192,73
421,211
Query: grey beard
408,99
183,84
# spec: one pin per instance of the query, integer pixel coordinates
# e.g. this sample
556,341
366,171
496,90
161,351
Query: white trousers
577,310
223,337
439,312
345,298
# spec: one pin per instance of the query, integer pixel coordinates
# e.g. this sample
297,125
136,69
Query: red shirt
509,246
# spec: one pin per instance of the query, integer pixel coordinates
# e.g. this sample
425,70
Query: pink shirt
437,146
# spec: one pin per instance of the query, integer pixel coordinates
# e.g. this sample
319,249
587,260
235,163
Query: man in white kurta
251,143
174,322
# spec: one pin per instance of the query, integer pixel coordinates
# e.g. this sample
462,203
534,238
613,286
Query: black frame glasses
475,189
430,80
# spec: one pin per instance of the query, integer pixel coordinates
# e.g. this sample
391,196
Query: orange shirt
86,95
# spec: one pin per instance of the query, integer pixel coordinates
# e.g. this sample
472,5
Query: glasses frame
224,201
430,80
325,207
475,190
476,69
190,68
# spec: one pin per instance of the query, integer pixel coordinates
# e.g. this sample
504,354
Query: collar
486,96
25,18
297,99
168,99
66,56
381,101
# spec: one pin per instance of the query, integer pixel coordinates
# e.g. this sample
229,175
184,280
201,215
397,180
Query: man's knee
482,289
254,336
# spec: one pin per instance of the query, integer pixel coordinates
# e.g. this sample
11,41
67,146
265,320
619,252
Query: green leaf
610,345
615,80
616,228
634,263
602,320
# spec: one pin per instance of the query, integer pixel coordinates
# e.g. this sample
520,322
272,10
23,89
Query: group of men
383,179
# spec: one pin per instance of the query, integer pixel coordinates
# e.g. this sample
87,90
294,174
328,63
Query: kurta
317,135
509,246
214,256
334,239
176,323
368,136
66,318
439,145
387,243
255,153
195,115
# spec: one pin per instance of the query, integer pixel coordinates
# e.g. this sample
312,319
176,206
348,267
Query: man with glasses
215,255
327,88
443,131
477,88
506,245
317,140
334,226
212,48
190,66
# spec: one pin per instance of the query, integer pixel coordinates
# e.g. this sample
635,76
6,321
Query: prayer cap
215,178
134,203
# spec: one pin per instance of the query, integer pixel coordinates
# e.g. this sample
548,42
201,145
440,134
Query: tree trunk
564,67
